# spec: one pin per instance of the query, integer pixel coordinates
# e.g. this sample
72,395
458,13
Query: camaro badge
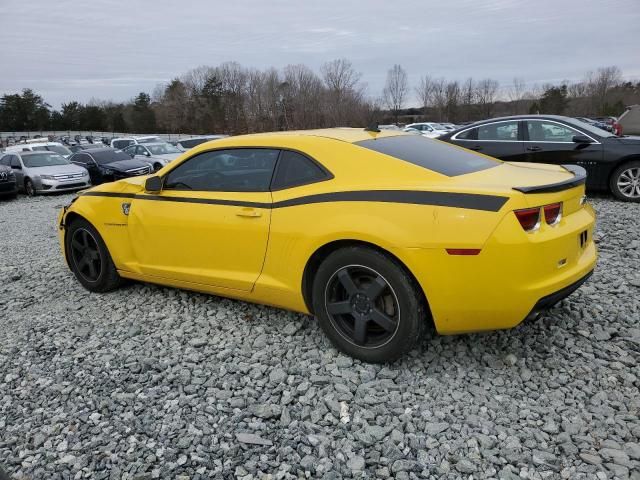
125,208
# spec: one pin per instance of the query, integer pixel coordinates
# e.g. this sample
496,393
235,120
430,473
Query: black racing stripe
109,194
443,199
472,201
210,201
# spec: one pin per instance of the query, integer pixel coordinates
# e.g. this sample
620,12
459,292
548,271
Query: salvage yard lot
150,382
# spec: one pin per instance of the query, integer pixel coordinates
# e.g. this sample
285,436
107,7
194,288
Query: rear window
430,154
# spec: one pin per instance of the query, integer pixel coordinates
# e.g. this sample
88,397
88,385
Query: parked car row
41,171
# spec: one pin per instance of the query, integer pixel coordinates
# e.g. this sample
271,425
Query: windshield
109,156
43,160
57,149
162,149
149,140
589,127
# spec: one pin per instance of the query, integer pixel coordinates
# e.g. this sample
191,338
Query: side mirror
153,184
147,154
132,155
581,139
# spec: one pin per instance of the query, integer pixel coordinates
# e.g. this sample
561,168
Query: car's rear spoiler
579,178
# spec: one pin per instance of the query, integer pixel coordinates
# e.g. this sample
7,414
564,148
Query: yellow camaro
378,234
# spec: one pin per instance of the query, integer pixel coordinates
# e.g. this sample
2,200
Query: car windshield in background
149,140
193,142
35,160
109,156
162,149
431,154
589,127
54,148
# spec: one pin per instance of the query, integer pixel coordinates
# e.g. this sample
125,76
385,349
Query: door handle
534,148
249,212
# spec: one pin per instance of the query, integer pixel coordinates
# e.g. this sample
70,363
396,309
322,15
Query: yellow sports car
377,234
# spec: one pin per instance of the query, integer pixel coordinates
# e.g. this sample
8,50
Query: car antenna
373,127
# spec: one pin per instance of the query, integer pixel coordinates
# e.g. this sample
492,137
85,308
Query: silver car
45,172
157,155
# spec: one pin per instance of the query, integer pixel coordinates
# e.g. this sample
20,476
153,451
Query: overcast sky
111,49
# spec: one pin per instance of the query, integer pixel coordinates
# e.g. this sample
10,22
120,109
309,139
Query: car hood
628,140
57,169
124,165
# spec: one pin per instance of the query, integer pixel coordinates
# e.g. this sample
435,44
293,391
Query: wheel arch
314,261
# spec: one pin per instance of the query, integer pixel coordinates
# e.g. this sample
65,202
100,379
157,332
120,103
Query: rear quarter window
431,154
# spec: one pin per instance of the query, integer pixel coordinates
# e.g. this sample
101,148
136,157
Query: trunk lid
533,184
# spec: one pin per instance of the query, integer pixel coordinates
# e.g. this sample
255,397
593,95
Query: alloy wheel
362,306
86,255
629,182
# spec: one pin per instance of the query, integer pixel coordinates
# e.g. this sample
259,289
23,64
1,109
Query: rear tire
625,182
368,305
89,259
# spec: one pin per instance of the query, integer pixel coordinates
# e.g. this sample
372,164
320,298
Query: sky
111,49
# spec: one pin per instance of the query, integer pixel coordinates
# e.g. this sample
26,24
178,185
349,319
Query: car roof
35,152
349,135
524,117
98,149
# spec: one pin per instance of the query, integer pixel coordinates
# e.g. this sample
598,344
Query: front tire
625,182
89,259
29,189
368,305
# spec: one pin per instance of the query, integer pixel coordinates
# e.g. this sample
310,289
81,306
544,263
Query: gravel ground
149,382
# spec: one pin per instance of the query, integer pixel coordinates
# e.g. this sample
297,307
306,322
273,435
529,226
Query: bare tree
487,90
344,90
440,97
395,90
453,96
600,84
515,94
425,91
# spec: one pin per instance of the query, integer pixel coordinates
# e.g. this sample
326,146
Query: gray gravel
151,382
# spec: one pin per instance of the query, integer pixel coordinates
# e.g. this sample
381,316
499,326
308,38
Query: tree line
233,99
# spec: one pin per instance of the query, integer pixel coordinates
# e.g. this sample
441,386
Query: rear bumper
515,274
550,300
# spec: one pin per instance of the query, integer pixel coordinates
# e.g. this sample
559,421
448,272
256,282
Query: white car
121,143
157,155
41,146
428,129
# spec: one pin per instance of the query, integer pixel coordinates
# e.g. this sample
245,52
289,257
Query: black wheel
89,258
156,167
625,182
29,188
368,305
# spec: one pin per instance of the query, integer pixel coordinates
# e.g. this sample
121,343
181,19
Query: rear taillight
529,218
552,213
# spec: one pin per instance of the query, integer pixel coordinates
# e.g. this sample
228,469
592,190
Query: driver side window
233,170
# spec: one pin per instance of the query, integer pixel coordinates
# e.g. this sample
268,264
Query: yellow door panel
211,238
